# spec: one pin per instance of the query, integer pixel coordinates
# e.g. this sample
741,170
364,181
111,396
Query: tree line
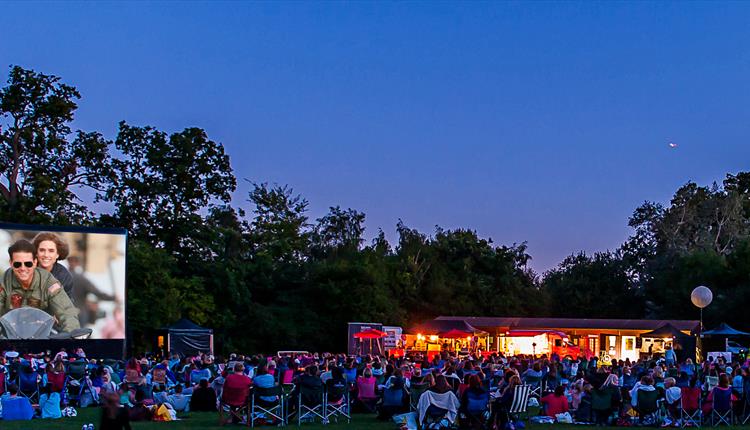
265,276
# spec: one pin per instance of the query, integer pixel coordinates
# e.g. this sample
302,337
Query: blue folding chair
721,411
28,383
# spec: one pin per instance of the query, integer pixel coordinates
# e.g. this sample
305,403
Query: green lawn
203,420
197,420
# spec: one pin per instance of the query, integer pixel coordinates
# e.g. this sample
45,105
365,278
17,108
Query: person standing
670,356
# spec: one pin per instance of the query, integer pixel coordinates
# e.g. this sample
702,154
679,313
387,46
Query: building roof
571,323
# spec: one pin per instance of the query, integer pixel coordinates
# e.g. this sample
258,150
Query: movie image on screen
61,284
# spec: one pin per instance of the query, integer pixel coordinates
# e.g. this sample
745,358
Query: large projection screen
88,265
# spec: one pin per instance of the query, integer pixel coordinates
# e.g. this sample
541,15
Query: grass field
197,420
204,420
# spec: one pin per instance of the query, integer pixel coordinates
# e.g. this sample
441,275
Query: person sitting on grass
114,416
49,403
584,411
203,398
179,401
200,373
139,411
15,407
555,403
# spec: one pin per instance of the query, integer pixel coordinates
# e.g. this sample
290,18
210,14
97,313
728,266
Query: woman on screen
50,248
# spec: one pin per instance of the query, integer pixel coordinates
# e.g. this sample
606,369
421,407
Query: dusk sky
540,122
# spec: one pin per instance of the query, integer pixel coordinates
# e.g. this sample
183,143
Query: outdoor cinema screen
75,276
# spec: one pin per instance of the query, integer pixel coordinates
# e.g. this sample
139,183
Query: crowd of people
470,391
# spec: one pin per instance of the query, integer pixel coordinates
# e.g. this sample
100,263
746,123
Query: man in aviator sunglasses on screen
26,285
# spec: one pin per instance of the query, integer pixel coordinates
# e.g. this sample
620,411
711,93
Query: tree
162,183
278,229
705,218
277,243
43,167
339,230
598,285
668,293
154,284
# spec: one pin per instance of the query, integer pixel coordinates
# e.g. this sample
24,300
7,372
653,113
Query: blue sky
540,122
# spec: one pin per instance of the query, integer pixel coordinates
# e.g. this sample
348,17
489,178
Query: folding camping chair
366,395
415,391
234,404
58,381
435,416
535,382
394,402
287,377
601,404
711,382
476,414
273,410
350,375
745,405
690,407
337,403
310,404
648,405
3,380
721,410
379,379
77,370
519,405
87,394
28,383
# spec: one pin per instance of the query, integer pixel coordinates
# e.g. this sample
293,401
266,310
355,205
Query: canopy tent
684,345
725,330
453,328
369,333
667,330
455,334
188,338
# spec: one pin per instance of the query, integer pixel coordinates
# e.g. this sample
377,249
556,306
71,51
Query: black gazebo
187,338
684,345
718,338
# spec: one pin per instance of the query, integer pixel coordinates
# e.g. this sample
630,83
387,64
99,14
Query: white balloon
701,296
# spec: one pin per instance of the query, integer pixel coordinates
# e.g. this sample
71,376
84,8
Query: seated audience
555,403
49,402
203,398
179,401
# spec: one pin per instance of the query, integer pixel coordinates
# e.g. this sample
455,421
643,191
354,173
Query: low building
604,338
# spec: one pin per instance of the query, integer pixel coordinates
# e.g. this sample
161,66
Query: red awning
529,333
455,334
370,333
